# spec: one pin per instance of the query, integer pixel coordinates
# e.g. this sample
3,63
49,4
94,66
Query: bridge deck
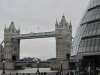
19,63
34,35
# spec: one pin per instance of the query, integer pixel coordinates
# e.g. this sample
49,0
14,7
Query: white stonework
63,46
11,46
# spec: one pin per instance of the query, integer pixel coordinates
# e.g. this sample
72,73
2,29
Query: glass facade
87,37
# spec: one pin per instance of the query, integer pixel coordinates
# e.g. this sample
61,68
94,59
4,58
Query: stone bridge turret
11,46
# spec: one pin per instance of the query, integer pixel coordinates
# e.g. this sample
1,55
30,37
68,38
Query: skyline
39,16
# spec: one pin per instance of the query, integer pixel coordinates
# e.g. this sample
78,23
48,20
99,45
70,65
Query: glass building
86,46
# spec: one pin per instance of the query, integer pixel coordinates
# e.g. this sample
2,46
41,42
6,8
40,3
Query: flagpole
26,30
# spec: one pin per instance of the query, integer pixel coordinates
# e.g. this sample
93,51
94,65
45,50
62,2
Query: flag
38,27
26,29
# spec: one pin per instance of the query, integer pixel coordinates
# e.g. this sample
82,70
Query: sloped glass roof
87,37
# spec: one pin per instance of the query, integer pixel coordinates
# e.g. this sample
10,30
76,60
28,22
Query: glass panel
91,48
93,32
90,32
94,26
97,16
84,48
84,44
81,49
98,31
99,48
96,41
86,33
92,41
98,25
91,27
87,49
95,48
88,42
87,28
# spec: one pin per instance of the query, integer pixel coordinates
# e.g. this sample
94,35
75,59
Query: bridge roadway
34,35
20,63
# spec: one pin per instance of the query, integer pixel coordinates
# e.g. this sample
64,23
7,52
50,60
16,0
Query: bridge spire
56,24
63,20
5,27
56,21
70,23
63,14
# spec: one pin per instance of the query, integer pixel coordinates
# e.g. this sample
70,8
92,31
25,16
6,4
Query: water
28,70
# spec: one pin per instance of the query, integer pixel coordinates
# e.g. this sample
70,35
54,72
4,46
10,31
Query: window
93,32
90,32
91,27
87,49
88,42
98,32
95,27
91,48
85,42
96,41
95,48
92,41
84,48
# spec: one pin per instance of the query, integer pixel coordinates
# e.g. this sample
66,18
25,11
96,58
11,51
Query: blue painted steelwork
1,43
34,35
20,63
70,39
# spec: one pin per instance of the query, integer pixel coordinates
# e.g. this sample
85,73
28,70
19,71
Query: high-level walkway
34,35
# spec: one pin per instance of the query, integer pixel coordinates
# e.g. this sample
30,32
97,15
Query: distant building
30,59
51,59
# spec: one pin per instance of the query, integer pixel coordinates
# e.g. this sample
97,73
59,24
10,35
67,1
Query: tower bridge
34,35
12,39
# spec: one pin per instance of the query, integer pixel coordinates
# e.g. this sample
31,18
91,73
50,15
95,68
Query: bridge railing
41,73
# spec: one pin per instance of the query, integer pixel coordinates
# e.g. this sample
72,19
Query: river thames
28,70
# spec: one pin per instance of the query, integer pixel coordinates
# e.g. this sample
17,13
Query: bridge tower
11,46
63,46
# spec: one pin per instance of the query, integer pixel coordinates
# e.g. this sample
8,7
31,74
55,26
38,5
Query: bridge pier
56,65
8,65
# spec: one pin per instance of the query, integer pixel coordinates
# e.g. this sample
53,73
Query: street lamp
3,68
61,68
38,66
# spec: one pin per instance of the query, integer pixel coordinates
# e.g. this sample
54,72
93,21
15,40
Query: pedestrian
41,73
16,73
10,73
23,74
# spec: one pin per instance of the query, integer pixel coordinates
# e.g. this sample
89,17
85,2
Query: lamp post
61,68
3,68
38,66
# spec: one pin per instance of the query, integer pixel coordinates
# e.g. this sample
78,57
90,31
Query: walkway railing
44,73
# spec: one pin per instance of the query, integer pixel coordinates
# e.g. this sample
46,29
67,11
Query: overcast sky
32,14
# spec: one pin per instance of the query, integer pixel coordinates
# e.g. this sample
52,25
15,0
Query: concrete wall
8,65
41,65
56,65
